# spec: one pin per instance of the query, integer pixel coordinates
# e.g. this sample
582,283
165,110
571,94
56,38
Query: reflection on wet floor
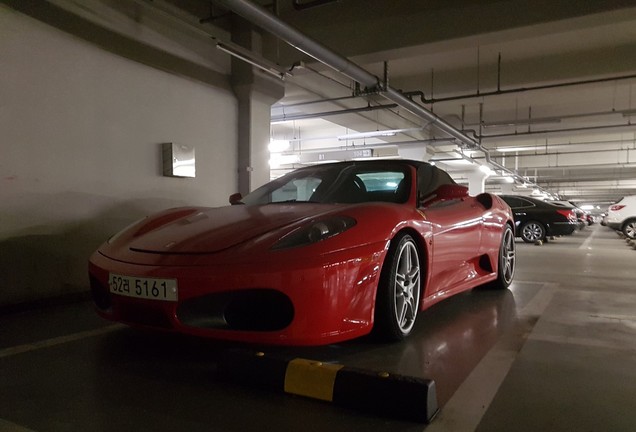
63,369
449,340
127,370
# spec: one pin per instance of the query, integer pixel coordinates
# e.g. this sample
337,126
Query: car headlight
316,231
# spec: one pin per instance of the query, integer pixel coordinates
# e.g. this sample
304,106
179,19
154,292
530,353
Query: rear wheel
507,260
629,229
532,231
398,296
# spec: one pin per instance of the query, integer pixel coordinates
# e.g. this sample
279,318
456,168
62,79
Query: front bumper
305,302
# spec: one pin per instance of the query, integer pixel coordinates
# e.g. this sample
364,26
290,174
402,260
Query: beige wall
80,156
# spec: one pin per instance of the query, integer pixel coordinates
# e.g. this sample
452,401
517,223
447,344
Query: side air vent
485,199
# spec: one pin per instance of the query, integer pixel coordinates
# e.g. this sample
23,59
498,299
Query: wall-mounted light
178,160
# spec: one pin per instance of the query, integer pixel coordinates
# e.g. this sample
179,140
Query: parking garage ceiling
547,88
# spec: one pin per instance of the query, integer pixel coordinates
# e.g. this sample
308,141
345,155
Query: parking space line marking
47,343
464,410
588,240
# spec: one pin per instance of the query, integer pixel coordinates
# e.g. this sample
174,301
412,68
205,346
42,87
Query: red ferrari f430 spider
323,254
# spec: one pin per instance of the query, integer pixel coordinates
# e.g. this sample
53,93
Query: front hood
209,230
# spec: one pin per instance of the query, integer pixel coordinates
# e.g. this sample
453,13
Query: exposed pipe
555,119
274,25
497,92
295,38
302,6
563,153
552,131
331,113
317,101
368,146
248,57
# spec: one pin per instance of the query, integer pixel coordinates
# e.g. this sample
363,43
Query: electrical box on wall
178,160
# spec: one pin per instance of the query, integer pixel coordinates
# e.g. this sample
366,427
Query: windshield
330,184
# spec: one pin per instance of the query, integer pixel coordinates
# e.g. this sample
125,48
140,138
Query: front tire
398,296
507,260
629,229
532,231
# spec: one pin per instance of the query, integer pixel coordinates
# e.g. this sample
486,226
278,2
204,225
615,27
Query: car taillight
616,207
568,214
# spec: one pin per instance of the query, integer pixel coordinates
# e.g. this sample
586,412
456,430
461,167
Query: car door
456,219
520,208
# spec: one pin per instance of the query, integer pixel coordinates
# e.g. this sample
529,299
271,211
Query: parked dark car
536,220
581,216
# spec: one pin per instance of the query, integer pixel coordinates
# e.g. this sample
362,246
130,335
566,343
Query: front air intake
246,310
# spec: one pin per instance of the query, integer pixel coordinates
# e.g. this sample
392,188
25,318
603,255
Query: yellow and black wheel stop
377,392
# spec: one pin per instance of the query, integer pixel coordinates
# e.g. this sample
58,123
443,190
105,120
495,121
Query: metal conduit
271,23
274,25
288,117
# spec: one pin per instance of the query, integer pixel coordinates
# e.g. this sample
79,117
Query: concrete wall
80,151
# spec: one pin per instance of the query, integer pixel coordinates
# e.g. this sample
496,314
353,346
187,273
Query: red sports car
323,254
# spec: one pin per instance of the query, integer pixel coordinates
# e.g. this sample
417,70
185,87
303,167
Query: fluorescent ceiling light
518,149
379,133
278,145
453,161
249,57
277,160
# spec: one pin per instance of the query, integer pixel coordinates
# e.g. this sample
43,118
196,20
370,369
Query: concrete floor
555,352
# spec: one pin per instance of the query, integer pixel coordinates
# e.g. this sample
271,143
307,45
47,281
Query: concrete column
476,182
507,188
256,92
418,152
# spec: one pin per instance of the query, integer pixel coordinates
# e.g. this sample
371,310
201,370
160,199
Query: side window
512,202
429,178
386,181
515,202
526,203
296,190
368,185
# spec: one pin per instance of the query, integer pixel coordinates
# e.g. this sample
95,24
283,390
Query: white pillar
507,188
256,92
416,152
476,182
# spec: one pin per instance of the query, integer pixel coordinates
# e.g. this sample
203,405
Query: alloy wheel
532,232
407,287
508,257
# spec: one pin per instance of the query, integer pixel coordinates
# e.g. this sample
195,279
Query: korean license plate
146,288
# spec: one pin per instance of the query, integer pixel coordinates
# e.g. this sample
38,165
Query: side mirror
236,198
445,192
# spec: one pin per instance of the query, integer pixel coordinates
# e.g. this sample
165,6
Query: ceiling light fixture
249,57
277,146
379,133
518,149
276,160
